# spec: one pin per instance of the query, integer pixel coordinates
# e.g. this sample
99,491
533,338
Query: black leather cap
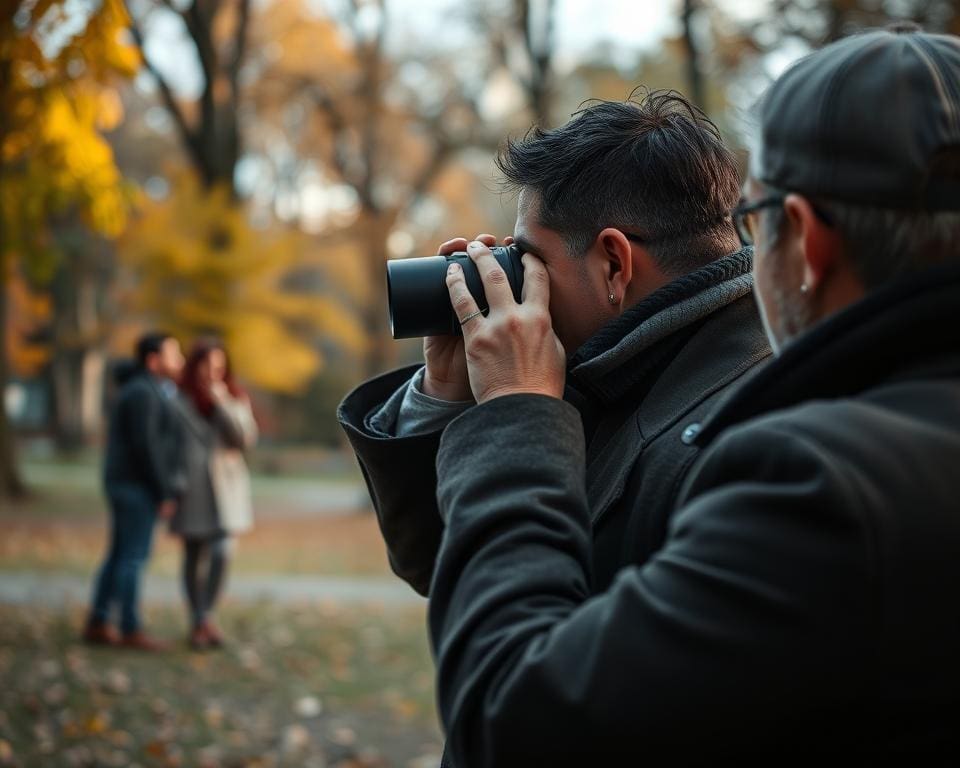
871,119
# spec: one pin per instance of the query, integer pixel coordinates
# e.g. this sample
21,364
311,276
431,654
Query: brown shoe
213,633
197,639
140,641
100,633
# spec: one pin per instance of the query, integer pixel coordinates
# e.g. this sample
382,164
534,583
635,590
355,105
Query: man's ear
820,244
617,254
631,271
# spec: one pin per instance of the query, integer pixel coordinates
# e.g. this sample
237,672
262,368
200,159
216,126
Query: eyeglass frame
739,215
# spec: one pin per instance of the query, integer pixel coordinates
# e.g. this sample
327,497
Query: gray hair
884,244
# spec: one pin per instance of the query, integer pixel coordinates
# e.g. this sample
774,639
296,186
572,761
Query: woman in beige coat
218,428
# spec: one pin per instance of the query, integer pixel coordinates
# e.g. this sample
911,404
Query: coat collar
902,330
645,338
723,349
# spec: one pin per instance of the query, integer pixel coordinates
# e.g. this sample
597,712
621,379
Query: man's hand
446,371
513,349
167,509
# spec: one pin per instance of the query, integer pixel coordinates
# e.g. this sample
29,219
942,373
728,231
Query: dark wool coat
803,605
144,440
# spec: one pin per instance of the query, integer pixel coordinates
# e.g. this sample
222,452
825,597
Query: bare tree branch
338,128
694,69
430,171
239,47
198,25
187,134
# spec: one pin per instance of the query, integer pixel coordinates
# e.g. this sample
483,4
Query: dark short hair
654,165
150,344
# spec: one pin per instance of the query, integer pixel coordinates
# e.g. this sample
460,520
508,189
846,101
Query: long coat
217,495
635,400
803,608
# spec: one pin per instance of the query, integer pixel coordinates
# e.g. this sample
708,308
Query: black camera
417,295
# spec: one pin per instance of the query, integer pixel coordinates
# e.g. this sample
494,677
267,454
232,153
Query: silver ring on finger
470,317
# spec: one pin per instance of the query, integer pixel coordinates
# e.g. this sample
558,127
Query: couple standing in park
178,431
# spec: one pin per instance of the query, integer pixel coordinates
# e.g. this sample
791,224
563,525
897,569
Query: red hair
189,380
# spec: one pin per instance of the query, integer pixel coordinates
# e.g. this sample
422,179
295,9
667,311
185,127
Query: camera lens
417,296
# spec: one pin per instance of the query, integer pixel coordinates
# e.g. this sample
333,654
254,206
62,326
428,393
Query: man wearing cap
805,600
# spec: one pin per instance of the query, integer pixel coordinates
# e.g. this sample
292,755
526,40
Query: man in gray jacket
628,205
803,607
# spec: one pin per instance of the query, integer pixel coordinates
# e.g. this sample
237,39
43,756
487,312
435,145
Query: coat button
690,434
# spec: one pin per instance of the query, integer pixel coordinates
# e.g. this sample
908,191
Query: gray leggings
202,593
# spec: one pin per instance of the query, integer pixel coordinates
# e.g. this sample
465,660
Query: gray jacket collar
618,356
725,347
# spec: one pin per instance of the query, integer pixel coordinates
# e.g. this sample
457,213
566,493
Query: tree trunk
382,353
77,381
11,482
694,71
77,365
537,26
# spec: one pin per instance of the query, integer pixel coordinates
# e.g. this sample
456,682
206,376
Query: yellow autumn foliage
54,162
200,267
54,158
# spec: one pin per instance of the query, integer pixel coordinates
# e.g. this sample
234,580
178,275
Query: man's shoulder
822,426
138,389
135,385
861,442
903,409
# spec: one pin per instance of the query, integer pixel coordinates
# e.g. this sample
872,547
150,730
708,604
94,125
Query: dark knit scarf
624,358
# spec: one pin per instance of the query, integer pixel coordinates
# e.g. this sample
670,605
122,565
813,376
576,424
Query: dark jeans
134,516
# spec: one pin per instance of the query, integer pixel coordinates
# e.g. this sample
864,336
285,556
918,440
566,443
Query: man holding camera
804,601
627,206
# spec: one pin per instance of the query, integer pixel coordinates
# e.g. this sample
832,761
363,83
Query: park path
52,589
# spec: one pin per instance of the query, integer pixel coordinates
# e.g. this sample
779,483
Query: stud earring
804,288
612,299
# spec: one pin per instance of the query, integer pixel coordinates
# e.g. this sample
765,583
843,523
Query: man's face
777,274
578,293
169,361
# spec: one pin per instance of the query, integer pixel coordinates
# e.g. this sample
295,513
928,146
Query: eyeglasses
741,213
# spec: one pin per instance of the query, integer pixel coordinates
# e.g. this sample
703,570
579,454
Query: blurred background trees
245,168
61,193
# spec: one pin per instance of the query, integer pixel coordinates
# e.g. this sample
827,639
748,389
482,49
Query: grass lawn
304,526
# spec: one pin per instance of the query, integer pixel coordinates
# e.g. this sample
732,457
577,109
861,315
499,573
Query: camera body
417,295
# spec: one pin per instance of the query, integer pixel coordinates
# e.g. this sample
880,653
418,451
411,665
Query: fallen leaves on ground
319,686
